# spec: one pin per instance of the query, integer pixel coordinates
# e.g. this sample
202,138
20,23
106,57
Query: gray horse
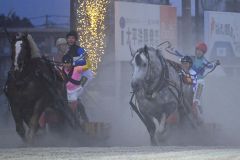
160,94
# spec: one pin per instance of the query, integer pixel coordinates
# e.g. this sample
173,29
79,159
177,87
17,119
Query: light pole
73,14
187,25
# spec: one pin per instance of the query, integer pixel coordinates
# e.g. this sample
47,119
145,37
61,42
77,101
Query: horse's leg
18,121
162,123
147,121
39,107
65,109
71,118
59,94
82,111
16,112
159,123
188,107
151,127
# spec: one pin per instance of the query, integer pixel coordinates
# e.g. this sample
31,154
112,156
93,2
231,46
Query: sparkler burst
91,28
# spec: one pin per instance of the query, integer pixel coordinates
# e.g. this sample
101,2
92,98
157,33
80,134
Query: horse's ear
145,48
133,52
25,34
159,53
13,38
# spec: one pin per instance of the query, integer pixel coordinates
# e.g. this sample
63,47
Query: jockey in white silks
199,64
189,76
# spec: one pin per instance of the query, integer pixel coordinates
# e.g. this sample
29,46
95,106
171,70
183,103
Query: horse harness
168,83
164,80
22,78
68,78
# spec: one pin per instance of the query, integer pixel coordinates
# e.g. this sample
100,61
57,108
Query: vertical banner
168,24
222,34
137,24
168,29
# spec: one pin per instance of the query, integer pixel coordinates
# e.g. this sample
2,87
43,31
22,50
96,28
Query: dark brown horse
34,85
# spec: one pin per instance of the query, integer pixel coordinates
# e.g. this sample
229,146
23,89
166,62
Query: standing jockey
79,56
199,65
62,48
75,51
79,64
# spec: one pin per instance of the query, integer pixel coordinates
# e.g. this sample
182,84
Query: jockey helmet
61,41
67,59
187,59
73,33
202,47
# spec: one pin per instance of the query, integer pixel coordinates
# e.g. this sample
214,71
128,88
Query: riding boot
82,112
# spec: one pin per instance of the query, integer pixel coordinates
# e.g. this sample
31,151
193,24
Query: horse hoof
154,143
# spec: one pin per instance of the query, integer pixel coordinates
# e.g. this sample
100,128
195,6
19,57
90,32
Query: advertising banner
222,34
168,24
139,24
168,29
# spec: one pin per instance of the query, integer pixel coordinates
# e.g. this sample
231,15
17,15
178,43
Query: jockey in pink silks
77,79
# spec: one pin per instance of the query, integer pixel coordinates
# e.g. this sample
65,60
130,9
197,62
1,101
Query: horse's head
21,52
147,65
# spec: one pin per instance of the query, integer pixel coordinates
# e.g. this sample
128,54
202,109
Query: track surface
122,153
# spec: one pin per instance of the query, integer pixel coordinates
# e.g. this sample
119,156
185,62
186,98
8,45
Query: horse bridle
12,72
15,41
163,76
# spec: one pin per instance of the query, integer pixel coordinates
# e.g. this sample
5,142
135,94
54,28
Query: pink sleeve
79,69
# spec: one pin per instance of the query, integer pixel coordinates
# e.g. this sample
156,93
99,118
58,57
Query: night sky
35,8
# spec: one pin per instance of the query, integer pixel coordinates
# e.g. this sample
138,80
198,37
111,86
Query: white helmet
61,41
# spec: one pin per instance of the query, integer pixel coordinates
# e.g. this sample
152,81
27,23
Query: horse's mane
177,67
35,52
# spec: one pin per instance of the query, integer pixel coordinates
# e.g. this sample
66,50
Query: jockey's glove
83,81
